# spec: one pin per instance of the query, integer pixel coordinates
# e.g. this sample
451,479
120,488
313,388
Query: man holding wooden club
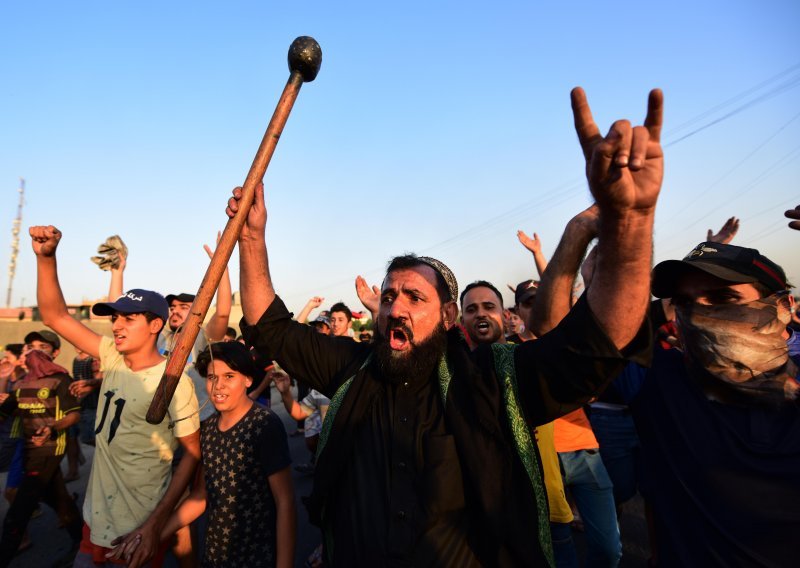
427,457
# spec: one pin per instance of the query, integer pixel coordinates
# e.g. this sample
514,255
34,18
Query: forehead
693,284
179,304
136,315
219,367
422,278
336,315
481,295
39,343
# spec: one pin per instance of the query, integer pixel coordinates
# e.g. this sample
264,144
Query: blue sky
434,127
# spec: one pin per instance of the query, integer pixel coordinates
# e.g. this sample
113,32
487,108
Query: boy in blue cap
130,491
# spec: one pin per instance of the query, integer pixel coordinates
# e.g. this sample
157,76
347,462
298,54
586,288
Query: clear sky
434,127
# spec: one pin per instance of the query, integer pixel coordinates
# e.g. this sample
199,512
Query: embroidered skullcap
445,273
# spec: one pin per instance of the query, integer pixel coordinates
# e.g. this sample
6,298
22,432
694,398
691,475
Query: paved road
50,543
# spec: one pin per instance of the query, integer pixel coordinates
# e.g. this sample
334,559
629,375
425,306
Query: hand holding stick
305,58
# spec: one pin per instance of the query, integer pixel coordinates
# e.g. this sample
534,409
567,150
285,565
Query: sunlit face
178,312
133,333
482,315
410,308
226,388
525,309
707,290
339,323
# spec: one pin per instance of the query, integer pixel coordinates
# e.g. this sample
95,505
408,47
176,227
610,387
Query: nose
398,308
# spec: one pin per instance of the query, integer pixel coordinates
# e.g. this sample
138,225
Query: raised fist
45,240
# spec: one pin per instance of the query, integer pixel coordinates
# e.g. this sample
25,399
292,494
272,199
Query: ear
156,326
449,314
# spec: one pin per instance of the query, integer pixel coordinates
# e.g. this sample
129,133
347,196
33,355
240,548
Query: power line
730,101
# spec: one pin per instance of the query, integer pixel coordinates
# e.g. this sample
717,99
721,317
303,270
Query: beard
415,364
492,335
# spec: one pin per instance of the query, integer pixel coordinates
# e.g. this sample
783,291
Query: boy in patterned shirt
132,489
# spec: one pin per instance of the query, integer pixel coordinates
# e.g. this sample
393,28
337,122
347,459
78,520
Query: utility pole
15,228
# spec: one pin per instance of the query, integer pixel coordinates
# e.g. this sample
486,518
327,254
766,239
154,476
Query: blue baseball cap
135,301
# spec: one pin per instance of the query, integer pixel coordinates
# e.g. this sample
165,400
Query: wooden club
305,58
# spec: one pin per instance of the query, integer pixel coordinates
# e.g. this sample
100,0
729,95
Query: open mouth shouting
400,338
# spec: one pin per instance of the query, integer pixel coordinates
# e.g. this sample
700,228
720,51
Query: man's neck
144,359
475,344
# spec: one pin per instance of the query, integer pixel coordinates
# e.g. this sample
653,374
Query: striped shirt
38,403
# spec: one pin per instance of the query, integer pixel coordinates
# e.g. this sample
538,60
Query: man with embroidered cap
718,419
427,456
132,489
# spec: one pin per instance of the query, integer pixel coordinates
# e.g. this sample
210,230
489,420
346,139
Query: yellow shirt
554,484
133,459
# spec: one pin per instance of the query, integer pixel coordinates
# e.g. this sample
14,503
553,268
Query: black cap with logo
734,264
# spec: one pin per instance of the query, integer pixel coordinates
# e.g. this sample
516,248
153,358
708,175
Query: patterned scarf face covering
742,345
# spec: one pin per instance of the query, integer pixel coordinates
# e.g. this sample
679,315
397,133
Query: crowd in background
457,430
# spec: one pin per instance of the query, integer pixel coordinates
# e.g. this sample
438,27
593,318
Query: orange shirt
574,432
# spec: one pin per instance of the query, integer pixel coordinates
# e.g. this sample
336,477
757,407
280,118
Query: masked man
719,419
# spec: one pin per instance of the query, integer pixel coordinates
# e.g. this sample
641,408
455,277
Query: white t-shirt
133,459
317,402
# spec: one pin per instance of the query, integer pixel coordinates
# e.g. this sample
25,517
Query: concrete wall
15,332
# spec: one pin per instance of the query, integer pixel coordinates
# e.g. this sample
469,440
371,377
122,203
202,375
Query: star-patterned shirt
241,508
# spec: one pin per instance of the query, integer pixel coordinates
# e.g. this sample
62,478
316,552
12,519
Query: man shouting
427,456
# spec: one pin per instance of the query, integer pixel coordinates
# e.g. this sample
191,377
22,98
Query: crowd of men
460,432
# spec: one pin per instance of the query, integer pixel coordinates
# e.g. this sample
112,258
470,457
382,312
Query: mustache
397,323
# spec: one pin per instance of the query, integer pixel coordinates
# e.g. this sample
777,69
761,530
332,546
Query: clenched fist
45,240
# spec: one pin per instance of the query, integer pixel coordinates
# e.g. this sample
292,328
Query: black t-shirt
723,480
241,508
83,370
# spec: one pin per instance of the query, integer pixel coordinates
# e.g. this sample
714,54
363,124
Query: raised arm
255,282
52,306
554,295
534,245
218,323
116,288
726,233
370,297
310,306
625,170
296,410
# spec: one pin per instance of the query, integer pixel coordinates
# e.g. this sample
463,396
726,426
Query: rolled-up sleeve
308,356
572,363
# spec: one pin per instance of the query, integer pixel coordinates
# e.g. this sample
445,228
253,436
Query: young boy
244,483
131,488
